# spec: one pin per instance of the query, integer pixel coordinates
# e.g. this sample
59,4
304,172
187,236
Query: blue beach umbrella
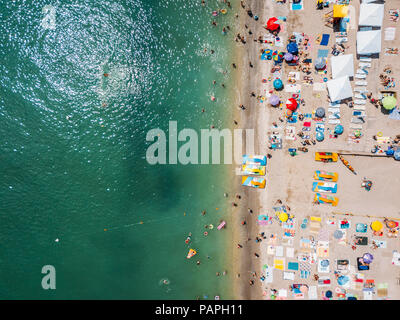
339,129
397,154
368,258
342,280
320,136
292,48
278,84
328,294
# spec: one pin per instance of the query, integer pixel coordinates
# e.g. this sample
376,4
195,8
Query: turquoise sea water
73,149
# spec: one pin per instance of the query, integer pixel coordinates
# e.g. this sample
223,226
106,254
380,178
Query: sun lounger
362,71
334,110
364,65
360,89
288,275
357,113
361,83
355,126
365,59
334,121
360,76
312,293
360,101
359,107
360,96
334,116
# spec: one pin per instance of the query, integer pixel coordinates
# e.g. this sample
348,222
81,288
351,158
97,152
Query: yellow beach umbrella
283,216
376,226
340,10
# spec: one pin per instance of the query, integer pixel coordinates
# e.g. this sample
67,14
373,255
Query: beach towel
269,274
293,266
271,250
319,86
324,281
279,264
290,252
323,53
282,294
361,241
279,251
390,34
288,275
325,39
293,88
367,295
361,227
342,265
296,6
342,240
379,243
312,293
323,265
396,258
382,290
323,249
395,114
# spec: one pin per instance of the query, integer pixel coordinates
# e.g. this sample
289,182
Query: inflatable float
253,169
326,199
191,253
254,182
330,187
326,176
326,156
260,160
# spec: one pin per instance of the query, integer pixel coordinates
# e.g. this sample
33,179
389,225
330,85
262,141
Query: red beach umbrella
291,104
272,24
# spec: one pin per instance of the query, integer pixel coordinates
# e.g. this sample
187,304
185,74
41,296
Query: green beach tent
389,102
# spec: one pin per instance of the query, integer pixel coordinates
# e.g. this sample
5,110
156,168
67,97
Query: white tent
342,66
369,42
339,89
371,14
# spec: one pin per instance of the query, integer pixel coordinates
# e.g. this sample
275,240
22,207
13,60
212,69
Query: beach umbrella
283,216
320,136
274,100
277,56
328,294
288,56
342,280
292,48
338,234
339,129
291,104
376,225
391,224
320,112
368,258
320,63
396,154
389,102
278,84
272,24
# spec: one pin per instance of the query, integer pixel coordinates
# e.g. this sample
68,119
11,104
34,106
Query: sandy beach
290,178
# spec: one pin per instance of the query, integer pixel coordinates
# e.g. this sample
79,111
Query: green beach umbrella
389,102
